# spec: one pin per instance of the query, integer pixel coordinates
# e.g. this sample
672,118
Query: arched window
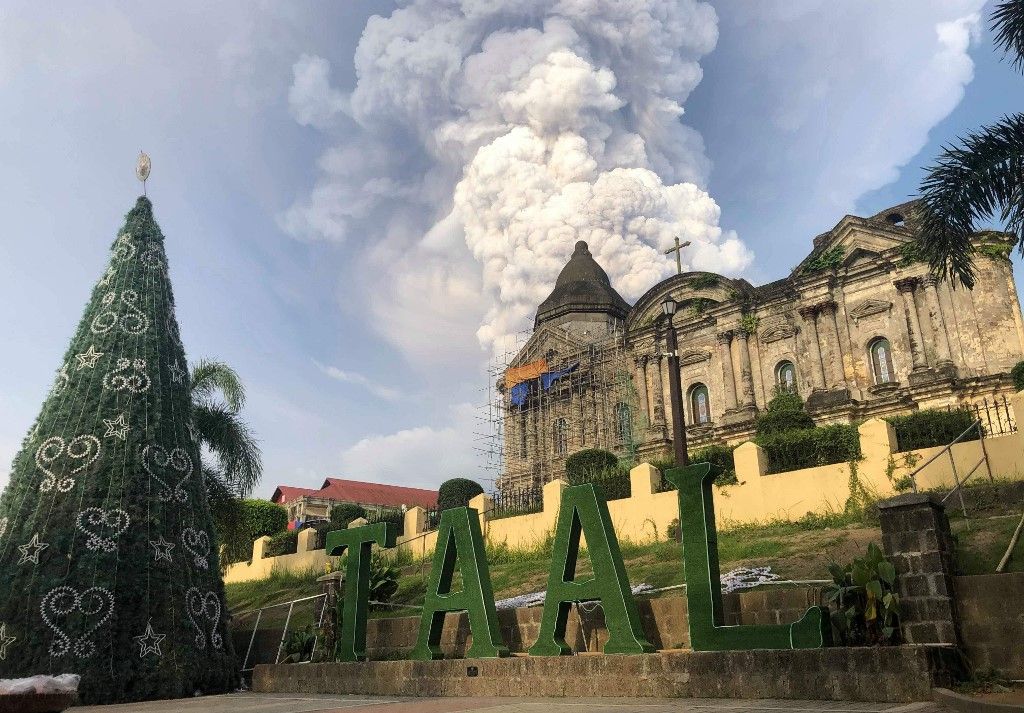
700,405
561,436
881,361
785,376
623,422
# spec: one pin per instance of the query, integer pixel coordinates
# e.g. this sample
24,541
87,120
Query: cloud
490,138
350,377
423,456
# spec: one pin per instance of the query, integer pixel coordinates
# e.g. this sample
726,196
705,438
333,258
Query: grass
800,549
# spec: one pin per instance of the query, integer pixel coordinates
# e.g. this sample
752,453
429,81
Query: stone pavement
299,703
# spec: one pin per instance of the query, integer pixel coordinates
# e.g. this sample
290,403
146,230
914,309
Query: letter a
359,543
703,579
584,510
459,541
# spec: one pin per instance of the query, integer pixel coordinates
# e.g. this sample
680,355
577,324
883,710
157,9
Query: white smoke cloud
514,129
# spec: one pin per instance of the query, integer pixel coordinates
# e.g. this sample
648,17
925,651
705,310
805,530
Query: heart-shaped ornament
60,460
169,470
102,527
69,612
204,613
197,544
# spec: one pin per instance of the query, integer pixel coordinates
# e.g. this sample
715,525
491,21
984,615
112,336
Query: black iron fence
510,503
392,515
996,415
433,519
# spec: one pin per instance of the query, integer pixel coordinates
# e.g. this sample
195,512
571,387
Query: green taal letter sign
703,590
459,541
358,541
584,511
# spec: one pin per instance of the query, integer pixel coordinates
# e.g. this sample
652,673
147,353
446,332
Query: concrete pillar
552,497
942,349
917,540
830,336
358,522
307,540
644,480
917,355
483,504
728,375
415,521
877,444
810,315
658,393
259,548
746,374
751,461
640,371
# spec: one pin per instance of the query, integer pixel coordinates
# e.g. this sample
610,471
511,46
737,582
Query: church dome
582,287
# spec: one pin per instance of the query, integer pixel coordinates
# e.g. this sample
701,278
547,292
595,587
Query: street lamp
669,307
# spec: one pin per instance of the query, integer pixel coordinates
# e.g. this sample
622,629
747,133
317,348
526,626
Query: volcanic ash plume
536,124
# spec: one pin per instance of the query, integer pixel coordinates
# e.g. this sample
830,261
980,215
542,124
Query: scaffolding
583,396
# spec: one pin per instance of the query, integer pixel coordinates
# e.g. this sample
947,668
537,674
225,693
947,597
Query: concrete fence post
306,540
482,503
751,461
358,522
552,501
415,520
644,480
877,444
917,540
259,548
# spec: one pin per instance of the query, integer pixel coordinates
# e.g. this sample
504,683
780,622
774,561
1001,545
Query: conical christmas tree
108,559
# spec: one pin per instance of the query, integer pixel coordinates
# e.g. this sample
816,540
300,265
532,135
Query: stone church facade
859,328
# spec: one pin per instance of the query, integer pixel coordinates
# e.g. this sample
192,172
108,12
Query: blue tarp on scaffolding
550,377
518,393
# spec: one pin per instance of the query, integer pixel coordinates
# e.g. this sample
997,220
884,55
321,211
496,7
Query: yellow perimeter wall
759,497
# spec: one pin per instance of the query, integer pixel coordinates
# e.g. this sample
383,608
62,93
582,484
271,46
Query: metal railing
948,450
284,632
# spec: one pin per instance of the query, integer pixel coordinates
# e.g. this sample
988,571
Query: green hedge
1018,375
283,543
255,518
614,482
457,492
785,412
582,464
810,447
930,427
342,515
722,456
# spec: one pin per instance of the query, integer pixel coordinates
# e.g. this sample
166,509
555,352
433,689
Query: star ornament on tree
117,427
149,643
162,549
177,373
5,641
34,547
87,360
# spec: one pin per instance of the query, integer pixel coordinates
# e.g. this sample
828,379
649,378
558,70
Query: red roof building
305,504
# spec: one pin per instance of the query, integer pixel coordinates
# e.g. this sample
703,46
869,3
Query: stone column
746,375
830,335
640,364
728,376
938,323
917,355
658,397
817,369
917,540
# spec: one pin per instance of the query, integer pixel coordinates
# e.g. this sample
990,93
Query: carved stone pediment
869,307
775,332
693,357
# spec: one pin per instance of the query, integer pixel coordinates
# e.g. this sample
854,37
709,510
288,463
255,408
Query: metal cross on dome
678,250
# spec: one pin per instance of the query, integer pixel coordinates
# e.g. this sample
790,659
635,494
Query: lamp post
675,389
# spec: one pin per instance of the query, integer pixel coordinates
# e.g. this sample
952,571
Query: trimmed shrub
256,518
457,493
343,514
582,464
283,543
1017,372
810,447
721,456
785,412
931,427
614,482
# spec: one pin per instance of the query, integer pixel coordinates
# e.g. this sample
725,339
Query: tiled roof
355,491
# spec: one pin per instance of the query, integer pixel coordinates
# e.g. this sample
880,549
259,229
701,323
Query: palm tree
980,177
232,464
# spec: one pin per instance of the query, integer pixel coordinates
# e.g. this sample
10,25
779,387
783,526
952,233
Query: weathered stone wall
991,608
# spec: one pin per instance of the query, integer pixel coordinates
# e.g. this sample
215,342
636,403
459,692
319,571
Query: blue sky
310,228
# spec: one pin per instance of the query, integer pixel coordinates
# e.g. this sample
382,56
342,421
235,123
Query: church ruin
859,328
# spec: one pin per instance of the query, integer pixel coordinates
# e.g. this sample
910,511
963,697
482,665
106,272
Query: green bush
583,464
457,493
928,428
810,447
614,482
283,543
721,456
1018,375
785,412
343,514
255,518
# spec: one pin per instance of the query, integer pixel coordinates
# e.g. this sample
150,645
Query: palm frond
1008,28
232,444
210,377
979,178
